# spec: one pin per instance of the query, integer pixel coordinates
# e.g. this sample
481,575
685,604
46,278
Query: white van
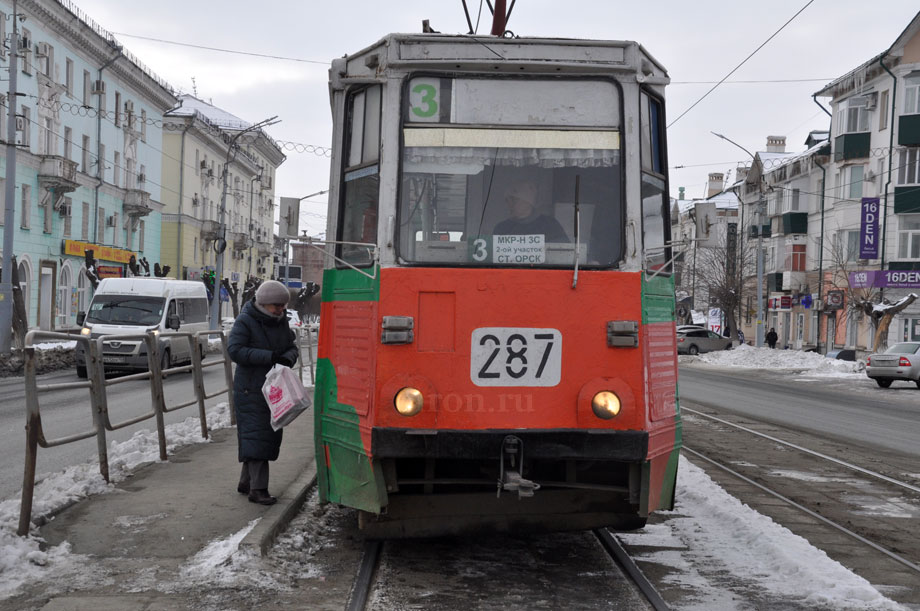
129,306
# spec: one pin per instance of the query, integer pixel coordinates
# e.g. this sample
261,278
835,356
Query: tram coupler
509,471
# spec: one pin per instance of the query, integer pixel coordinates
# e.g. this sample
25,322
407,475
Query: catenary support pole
6,281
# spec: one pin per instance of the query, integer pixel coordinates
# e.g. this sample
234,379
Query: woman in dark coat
260,338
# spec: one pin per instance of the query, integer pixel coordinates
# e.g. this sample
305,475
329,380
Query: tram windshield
511,172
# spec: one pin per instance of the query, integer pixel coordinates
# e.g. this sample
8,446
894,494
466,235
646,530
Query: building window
49,140
87,87
852,182
908,236
26,113
910,330
3,16
47,210
197,162
116,230
912,94
68,76
140,236
853,116
68,143
797,258
195,251
117,109
100,226
67,212
26,51
883,111
143,125
847,245
26,212
85,154
116,170
84,223
908,167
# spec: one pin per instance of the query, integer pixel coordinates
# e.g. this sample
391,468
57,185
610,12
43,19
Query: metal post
33,426
222,231
6,281
759,328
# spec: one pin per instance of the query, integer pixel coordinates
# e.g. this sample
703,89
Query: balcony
58,174
795,222
267,183
240,240
906,199
909,130
137,203
851,146
765,231
209,230
265,249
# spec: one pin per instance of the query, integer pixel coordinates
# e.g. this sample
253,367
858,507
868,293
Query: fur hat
272,292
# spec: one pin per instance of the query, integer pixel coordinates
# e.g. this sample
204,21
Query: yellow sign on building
105,253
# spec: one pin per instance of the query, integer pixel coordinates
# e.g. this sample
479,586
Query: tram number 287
515,356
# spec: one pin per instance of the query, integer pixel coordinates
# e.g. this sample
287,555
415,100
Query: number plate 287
513,356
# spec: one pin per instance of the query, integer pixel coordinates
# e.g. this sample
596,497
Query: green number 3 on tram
428,102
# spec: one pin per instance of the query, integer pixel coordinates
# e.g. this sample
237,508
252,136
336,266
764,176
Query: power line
735,69
751,82
218,49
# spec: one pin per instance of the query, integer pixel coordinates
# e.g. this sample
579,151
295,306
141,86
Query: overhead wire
744,61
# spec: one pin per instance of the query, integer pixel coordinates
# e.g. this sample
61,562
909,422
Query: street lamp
759,220
221,241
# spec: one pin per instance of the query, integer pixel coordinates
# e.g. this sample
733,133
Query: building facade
197,146
89,154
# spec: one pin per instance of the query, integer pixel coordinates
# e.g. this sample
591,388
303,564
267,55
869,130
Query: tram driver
524,219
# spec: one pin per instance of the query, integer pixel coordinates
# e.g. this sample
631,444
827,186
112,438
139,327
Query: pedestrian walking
771,337
259,339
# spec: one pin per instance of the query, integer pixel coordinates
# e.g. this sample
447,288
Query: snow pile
749,357
21,559
718,535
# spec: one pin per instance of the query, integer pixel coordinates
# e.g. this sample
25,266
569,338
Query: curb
278,516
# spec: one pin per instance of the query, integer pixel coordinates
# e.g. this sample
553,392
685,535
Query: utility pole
6,282
220,244
759,219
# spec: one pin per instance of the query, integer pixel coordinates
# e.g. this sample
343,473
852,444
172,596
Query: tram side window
655,214
361,188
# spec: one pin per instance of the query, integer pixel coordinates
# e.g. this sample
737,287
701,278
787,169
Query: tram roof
467,50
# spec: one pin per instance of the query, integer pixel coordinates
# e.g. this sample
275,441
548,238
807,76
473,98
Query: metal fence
97,383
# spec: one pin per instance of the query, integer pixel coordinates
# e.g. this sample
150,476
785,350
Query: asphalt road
853,410
68,412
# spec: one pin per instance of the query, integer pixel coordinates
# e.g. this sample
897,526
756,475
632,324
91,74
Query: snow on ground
794,361
711,533
21,559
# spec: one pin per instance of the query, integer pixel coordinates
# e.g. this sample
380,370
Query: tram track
858,504
544,566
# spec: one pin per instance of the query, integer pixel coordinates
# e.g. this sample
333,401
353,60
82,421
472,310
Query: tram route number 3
515,356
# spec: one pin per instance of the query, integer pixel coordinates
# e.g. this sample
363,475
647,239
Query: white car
293,319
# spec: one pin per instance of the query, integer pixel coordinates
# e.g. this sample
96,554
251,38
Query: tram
497,346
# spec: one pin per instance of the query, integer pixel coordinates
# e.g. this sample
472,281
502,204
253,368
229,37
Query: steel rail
357,600
804,509
613,547
842,463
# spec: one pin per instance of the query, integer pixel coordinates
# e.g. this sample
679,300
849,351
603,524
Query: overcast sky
698,42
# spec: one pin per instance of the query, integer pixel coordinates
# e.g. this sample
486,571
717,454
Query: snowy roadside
797,362
21,558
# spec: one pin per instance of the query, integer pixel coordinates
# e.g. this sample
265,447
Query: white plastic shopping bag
285,394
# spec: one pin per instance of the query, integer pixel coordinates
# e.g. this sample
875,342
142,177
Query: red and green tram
497,346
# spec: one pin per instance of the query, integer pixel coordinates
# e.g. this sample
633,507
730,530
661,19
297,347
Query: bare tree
722,271
881,315
20,317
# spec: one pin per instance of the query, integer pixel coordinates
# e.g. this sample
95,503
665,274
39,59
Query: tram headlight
408,401
605,404
85,331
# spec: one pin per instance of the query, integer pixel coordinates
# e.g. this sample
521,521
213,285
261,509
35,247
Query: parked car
847,354
696,341
899,362
293,319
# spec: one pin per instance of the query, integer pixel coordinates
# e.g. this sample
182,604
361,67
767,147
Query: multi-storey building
88,117
872,202
197,139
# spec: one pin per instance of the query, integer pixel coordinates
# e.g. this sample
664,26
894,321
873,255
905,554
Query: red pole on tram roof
499,18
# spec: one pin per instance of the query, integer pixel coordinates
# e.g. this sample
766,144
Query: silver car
695,341
900,362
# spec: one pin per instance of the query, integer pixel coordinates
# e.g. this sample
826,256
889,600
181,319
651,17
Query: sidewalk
166,513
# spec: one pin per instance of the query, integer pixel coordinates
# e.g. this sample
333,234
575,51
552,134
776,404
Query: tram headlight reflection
408,401
605,404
